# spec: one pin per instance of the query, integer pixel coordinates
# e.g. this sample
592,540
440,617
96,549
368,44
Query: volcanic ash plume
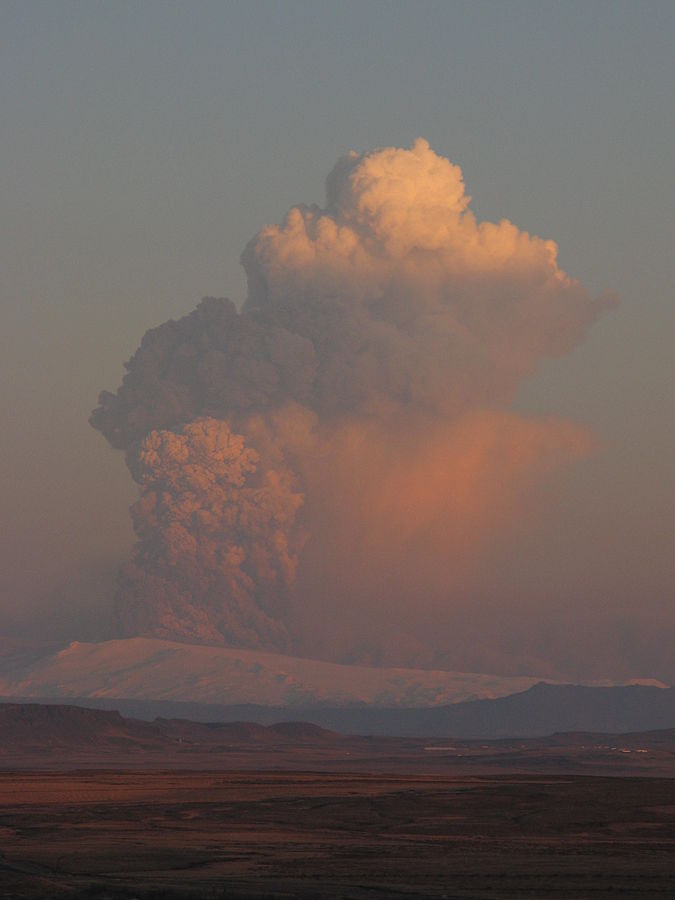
209,527
342,441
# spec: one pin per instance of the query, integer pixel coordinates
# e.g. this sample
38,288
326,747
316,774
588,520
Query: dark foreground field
239,834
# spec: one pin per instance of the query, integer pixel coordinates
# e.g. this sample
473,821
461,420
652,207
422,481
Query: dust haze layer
328,464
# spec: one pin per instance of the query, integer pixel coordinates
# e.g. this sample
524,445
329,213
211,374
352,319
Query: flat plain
342,834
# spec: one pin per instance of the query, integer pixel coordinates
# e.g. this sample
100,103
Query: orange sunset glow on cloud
345,440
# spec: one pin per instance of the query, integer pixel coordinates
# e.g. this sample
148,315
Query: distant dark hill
300,731
38,729
34,728
539,711
58,737
543,709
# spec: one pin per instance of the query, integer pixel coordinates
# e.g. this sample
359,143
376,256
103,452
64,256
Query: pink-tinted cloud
360,398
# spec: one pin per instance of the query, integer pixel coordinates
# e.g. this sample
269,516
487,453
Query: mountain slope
49,728
541,710
150,669
146,678
69,737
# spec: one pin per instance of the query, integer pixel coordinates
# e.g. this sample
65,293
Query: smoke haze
329,469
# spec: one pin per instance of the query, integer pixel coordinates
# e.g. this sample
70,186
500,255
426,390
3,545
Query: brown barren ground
302,834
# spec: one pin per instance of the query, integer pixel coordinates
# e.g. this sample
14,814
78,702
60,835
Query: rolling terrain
61,738
147,678
93,804
339,835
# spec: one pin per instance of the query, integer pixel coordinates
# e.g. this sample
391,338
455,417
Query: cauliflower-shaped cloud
355,408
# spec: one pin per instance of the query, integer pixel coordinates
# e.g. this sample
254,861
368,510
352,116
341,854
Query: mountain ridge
539,711
65,737
154,669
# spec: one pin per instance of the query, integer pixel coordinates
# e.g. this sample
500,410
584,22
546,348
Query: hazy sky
143,145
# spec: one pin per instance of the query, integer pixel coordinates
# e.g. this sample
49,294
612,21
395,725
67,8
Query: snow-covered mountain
158,670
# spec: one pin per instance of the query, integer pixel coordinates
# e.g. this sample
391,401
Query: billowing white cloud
405,297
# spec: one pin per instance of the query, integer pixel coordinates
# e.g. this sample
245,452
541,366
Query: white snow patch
151,669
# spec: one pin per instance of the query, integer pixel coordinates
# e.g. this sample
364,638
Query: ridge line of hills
154,670
65,737
541,710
